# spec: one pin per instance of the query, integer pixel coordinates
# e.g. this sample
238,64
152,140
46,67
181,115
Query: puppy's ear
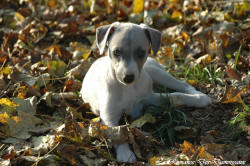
154,37
102,35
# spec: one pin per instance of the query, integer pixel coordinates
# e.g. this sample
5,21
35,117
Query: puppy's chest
133,94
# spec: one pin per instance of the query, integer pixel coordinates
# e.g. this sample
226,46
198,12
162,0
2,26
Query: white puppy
122,81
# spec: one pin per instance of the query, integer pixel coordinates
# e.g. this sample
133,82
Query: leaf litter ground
48,46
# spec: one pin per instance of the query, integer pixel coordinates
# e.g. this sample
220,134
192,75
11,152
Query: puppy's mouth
127,80
125,83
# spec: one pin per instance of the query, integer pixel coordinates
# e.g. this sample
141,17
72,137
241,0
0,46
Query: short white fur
110,96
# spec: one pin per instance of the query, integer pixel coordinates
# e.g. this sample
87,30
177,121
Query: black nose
128,78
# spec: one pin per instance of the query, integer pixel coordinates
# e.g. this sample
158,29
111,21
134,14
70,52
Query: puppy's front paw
203,100
124,154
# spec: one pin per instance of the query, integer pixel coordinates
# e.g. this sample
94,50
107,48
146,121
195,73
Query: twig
40,158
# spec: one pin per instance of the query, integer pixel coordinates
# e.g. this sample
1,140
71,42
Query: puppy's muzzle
129,78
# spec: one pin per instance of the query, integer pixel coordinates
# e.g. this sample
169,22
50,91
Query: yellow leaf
22,92
147,118
56,67
97,119
7,102
4,117
5,70
138,6
52,4
176,15
228,17
153,161
191,82
174,1
86,55
19,16
16,118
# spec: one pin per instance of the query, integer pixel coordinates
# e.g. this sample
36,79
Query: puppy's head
127,46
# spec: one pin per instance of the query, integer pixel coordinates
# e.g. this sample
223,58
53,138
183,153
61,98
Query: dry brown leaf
231,73
215,149
9,153
69,153
117,134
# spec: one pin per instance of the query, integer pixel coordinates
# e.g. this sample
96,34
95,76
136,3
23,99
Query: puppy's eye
117,53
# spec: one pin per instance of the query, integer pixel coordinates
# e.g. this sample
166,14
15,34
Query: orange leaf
205,155
185,35
188,148
169,51
233,95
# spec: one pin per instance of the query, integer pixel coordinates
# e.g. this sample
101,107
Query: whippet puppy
122,81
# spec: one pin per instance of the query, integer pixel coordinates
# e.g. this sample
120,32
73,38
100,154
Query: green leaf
237,57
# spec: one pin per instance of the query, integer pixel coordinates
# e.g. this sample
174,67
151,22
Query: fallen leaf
4,117
188,148
56,68
176,15
43,79
215,149
203,154
185,36
52,3
231,73
232,95
7,106
9,153
117,134
205,59
22,92
21,125
169,52
184,132
69,153
138,6
146,118
27,105
5,70
191,82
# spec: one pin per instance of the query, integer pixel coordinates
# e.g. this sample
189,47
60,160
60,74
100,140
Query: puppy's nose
129,78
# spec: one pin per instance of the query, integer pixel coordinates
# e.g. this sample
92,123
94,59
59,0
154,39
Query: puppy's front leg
110,115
